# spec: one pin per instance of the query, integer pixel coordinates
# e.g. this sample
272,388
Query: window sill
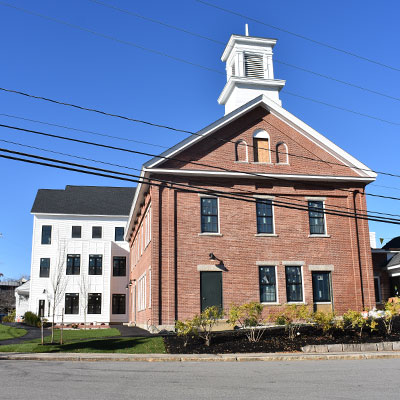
266,235
271,304
210,234
296,302
319,236
323,302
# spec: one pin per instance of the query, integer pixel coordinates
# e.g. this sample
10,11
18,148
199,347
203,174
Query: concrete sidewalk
198,357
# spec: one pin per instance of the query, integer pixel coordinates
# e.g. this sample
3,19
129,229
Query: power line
299,35
84,131
184,131
235,196
137,169
219,42
182,60
164,157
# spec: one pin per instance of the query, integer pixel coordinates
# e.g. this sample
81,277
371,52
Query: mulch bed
273,340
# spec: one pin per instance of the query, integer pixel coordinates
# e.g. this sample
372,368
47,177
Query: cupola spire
249,70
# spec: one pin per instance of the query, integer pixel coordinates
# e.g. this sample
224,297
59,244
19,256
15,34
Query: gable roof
392,244
394,261
84,200
262,101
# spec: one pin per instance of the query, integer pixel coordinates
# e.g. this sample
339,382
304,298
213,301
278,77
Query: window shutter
253,65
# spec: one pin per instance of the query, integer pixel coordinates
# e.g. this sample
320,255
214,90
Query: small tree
359,321
58,285
392,310
293,317
84,291
186,330
248,317
206,321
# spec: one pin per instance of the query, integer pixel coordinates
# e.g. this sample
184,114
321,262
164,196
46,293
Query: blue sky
52,60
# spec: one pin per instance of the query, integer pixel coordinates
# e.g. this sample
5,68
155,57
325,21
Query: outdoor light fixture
214,258
130,283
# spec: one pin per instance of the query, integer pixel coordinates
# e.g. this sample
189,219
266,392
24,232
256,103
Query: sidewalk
92,357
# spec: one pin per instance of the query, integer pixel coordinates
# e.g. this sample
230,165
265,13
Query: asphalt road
41,380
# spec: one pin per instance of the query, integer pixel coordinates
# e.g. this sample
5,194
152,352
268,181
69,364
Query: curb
93,357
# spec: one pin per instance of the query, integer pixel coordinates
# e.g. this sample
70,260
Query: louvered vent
253,65
233,69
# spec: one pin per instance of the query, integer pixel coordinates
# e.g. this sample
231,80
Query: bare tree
84,292
58,285
7,300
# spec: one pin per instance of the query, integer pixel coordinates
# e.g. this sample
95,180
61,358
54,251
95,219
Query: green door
211,289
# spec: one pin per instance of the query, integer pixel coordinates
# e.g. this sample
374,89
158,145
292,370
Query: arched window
241,154
282,156
261,146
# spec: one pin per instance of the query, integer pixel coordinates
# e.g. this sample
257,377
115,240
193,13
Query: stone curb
93,357
353,347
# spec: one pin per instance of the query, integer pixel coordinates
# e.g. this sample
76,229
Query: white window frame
302,284
142,292
267,197
276,284
149,305
262,134
315,235
238,143
201,195
277,153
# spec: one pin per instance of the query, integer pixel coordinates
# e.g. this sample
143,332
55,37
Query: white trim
319,235
82,215
302,283
280,153
218,211
237,144
266,235
258,175
275,266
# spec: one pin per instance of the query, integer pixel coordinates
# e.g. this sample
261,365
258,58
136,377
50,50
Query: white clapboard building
80,261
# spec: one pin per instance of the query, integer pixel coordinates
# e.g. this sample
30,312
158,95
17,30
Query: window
294,284
119,234
282,156
73,264
142,292
94,303
253,65
41,308
76,232
44,268
264,216
46,234
119,266
71,303
261,146
96,232
377,286
118,304
321,287
241,151
267,285
209,215
95,264
316,215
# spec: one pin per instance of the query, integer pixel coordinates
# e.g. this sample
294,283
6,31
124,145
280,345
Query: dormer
249,71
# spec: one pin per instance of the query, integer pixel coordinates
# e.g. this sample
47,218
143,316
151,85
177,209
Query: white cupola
249,71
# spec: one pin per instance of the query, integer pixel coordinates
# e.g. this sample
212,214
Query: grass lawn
136,345
82,334
8,332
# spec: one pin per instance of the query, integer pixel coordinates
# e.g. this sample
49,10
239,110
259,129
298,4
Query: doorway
210,289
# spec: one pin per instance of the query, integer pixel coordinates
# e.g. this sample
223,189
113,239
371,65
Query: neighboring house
387,270
22,300
191,250
7,297
78,236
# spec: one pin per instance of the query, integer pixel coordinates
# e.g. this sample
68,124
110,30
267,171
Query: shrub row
31,319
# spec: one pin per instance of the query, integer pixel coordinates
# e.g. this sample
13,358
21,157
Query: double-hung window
267,285
94,303
95,264
46,234
264,216
44,268
71,303
118,304
317,218
76,232
294,284
119,266
96,232
73,264
209,215
119,234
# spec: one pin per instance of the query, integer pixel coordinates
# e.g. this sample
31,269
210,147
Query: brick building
248,209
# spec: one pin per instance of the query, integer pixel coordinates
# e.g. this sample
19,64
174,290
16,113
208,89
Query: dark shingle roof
392,244
86,200
395,260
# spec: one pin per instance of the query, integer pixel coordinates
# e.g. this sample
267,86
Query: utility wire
182,60
251,174
137,169
223,194
219,42
184,131
84,131
299,35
